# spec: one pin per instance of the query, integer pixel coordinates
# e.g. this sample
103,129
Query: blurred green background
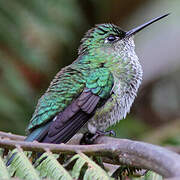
38,38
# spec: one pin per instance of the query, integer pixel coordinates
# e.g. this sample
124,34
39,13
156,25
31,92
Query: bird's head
102,36
110,38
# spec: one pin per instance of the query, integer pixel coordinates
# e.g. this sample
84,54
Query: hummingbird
95,91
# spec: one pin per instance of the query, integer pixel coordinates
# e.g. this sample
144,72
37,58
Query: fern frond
51,168
21,166
77,166
150,175
3,170
94,171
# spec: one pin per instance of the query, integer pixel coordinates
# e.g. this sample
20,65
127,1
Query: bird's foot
104,133
89,138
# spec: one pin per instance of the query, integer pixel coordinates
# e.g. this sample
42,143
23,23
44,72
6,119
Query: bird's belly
111,112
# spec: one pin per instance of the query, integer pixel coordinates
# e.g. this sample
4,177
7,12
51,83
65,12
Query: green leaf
94,171
77,166
21,166
150,175
51,168
3,170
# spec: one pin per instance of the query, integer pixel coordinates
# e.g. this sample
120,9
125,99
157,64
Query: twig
74,140
122,151
11,136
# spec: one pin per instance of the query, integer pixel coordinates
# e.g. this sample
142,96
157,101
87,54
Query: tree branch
121,151
11,136
145,155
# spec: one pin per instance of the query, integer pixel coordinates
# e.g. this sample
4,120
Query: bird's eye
111,38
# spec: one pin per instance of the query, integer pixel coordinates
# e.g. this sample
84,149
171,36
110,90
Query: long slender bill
139,28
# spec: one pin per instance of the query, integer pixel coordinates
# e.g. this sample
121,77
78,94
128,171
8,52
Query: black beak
139,28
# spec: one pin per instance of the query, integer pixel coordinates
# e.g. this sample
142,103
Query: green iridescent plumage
107,66
90,70
95,91
67,86
94,69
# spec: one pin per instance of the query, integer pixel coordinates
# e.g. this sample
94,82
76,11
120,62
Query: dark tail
67,123
37,135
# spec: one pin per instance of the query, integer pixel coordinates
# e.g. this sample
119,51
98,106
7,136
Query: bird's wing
66,86
72,108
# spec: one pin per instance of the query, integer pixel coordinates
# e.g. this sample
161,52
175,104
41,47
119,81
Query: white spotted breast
124,91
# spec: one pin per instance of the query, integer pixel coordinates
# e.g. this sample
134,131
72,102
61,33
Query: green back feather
67,86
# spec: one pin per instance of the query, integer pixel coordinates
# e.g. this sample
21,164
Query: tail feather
37,135
69,129
65,124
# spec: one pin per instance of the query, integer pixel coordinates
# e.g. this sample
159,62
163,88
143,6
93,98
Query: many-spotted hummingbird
95,91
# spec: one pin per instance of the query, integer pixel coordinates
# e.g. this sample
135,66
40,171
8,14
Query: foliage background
38,38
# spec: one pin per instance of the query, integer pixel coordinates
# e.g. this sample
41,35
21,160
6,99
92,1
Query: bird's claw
89,138
103,133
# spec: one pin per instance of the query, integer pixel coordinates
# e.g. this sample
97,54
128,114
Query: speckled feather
67,85
110,71
95,91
